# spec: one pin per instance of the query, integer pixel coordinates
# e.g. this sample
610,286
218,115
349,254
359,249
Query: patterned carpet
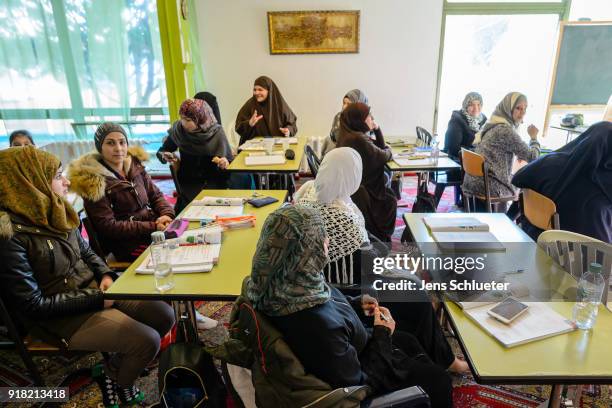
466,393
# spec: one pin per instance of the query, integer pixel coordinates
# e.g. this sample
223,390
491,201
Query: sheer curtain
67,63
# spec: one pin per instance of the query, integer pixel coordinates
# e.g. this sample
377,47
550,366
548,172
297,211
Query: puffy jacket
122,211
49,281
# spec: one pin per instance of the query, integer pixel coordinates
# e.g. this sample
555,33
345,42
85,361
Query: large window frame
561,8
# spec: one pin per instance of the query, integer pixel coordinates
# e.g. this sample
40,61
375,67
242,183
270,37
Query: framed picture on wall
313,32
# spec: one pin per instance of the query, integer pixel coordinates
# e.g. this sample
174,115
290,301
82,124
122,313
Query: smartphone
508,310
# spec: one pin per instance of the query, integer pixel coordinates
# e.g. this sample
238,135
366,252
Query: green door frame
561,8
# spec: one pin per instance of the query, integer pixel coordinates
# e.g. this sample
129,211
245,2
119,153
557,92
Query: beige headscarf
26,174
502,115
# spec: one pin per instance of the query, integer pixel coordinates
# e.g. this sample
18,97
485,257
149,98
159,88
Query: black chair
313,160
423,136
95,245
28,346
440,179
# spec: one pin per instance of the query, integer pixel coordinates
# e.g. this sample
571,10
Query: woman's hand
382,317
221,162
368,304
254,119
169,157
162,222
106,283
285,131
533,132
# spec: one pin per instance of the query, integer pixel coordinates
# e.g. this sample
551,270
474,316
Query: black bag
425,202
188,378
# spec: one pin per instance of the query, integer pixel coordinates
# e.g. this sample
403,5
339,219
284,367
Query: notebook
211,212
264,160
471,241
219,201
187,259
538,322
409,162
455,224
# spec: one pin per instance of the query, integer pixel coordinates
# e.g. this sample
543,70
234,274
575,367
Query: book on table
264,160
186,259
455,224
538,322
219,201
469,241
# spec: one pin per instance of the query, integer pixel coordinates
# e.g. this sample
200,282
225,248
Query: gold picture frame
314,32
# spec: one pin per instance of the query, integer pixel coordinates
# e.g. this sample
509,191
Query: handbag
425,202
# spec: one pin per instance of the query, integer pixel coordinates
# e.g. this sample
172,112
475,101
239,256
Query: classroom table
444,163
290,166
571,131
578,357
224,281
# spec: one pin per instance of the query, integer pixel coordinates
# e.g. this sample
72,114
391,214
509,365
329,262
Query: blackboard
584,67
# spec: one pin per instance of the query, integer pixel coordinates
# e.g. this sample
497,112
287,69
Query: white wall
396,65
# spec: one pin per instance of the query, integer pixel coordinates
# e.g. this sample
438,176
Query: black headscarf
575,177
211,100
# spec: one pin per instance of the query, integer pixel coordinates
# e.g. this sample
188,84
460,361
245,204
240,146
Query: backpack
425,202
188,378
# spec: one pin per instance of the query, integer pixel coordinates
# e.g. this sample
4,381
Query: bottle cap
157,237
595,267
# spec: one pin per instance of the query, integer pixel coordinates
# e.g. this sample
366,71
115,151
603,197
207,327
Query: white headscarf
330,193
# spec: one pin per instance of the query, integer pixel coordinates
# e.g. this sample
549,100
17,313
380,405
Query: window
596,10
69,63
495,50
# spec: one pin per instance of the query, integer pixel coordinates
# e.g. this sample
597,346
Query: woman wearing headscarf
204,151
54,284
348,249
265,113
211,100
321,326
463,125
120,199
352,96
21,138
499,143
578,178
374,198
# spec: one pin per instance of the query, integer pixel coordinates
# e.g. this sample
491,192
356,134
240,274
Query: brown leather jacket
123,211
50,281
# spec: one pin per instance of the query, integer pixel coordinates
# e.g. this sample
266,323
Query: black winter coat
459,134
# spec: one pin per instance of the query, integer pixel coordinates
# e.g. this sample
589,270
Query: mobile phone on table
508,310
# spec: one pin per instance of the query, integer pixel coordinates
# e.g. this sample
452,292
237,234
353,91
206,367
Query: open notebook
211,212
538,322
187,259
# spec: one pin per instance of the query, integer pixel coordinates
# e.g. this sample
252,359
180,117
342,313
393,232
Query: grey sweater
499,146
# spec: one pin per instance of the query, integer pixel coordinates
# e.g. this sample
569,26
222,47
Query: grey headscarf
473,121
354,95
104,130
502,115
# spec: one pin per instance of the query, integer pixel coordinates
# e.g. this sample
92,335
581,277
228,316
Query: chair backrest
313,160
539,210
575,252
473,163
424,136
232,136
92,236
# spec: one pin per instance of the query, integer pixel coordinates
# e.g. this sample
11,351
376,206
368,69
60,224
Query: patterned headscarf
502,115
286,275
26,174
104,130
473,121
198,111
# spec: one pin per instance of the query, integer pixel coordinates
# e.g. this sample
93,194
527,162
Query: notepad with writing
224,201
538,322
187,259
455,224
264,160
211,212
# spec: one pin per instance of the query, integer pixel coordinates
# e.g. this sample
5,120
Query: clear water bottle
160,256
590,290
435,150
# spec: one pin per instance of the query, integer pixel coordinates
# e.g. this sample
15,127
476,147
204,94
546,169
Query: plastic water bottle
590,290
435,150
160,256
